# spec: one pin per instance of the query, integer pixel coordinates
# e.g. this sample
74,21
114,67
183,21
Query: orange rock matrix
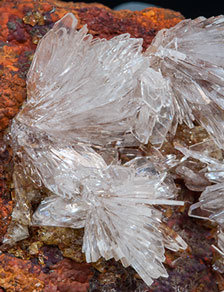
25,276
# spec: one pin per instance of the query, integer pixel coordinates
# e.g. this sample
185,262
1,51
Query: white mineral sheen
88,96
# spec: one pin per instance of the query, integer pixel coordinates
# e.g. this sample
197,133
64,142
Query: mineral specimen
113,202
88,97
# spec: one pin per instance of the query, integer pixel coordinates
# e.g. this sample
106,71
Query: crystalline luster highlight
195,73
118,206
88,90
114,203
212,198
87,98
211,201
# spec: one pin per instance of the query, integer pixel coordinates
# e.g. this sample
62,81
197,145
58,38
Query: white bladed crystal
116,207
78,88
88,97
189,57
83,100
212,198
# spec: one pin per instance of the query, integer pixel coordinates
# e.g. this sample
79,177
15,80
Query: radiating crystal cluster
189,57
87,99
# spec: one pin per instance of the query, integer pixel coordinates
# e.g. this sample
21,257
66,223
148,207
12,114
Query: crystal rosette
86,98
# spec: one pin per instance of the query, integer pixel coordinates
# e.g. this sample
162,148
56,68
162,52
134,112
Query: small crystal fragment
212,198
211,201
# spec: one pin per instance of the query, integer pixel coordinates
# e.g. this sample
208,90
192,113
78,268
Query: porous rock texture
51,259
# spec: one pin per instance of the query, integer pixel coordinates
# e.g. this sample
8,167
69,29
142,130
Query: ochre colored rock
6,205
19,275
24,276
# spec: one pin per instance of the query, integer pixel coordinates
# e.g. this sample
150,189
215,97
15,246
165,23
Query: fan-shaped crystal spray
86,97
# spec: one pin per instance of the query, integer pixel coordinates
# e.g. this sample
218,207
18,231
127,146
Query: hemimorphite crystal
189,56
86,98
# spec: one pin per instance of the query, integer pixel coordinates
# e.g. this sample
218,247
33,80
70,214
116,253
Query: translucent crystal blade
116,207
156,112
190,57
212,198
87,98
124,222
57,211
78,89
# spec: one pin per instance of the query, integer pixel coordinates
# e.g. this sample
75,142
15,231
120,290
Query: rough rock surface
39,263
24,275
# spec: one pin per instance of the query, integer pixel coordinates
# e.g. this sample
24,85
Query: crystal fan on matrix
86,98
189,59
